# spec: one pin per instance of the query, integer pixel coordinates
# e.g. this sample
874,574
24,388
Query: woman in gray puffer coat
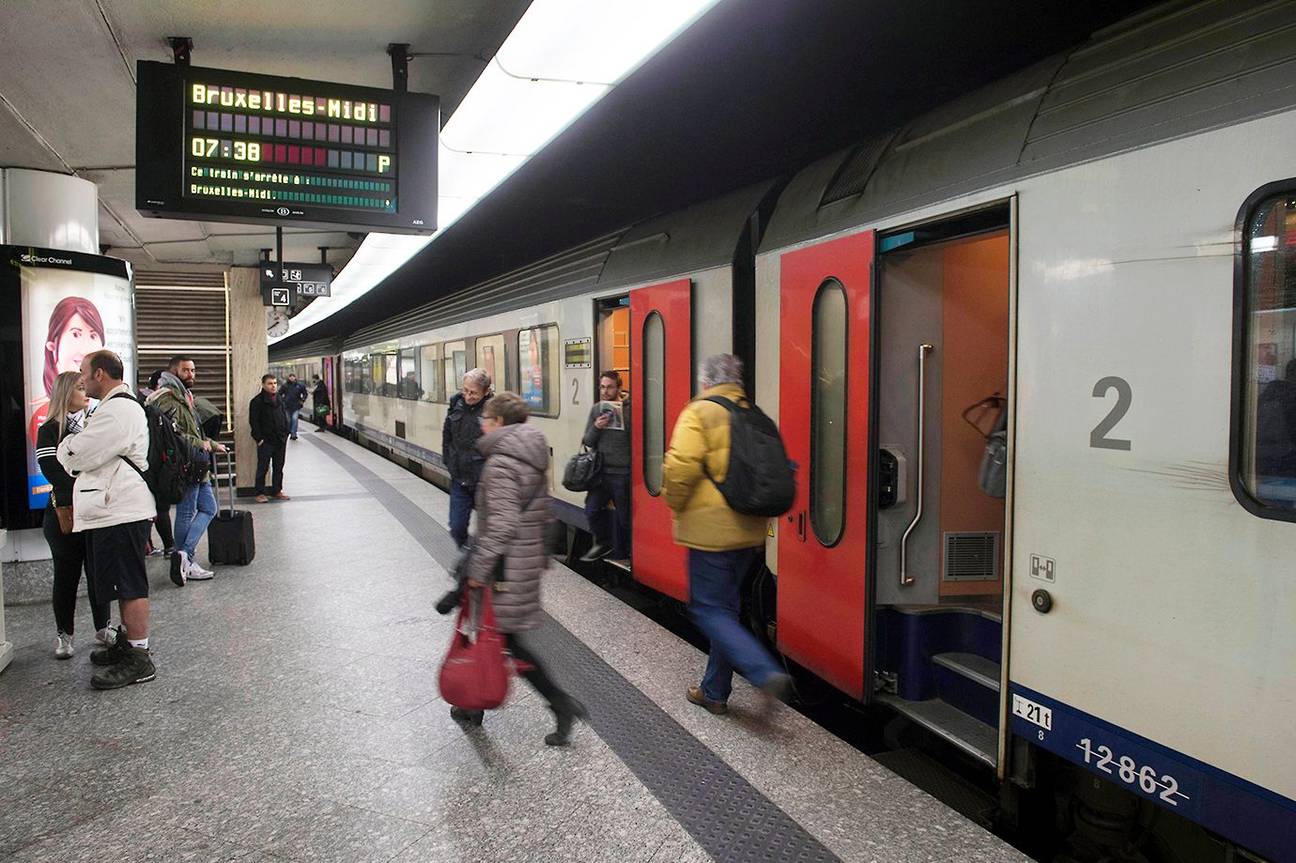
512,512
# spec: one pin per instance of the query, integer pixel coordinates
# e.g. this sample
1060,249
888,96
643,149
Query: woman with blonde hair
67,411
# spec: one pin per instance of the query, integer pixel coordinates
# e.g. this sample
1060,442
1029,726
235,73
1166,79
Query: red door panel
823,590
658,561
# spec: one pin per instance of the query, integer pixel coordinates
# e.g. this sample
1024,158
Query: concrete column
6,647
250,359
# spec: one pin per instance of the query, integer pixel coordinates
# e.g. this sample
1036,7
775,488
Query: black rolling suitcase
230,538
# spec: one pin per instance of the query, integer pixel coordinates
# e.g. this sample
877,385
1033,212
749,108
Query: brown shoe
695,696
262,499
281,496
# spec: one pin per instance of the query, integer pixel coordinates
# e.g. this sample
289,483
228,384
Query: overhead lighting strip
559,59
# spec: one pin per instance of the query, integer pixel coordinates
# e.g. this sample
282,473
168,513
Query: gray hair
479,378
720,369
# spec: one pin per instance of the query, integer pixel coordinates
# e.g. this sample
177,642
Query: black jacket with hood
459,440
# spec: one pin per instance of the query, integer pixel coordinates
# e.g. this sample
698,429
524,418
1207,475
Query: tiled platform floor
296,717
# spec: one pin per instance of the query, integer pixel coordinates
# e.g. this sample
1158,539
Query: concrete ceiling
67,91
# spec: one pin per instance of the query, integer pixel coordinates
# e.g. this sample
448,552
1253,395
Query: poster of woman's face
67,315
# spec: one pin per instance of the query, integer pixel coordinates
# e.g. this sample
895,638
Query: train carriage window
654,401
431,373
390,374
490,356
828,414
455,359
1265,461
409,386
538,358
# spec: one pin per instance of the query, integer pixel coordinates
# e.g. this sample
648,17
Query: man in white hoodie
112,505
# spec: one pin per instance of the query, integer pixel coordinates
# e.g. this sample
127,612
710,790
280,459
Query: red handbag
475,672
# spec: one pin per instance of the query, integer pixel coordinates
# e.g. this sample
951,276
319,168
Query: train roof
1176,70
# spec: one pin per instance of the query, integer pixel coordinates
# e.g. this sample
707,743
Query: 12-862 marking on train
1145,778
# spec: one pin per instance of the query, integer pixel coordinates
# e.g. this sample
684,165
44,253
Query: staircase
945,663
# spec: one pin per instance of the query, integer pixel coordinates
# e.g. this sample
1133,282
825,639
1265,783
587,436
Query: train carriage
1024,350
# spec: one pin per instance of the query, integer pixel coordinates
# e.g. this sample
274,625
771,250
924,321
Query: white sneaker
106,636
197,573
63,650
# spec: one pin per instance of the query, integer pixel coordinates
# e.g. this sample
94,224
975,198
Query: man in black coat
270,424
459,449
293,398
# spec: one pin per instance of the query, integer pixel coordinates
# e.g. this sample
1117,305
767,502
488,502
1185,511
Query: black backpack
760,479
171,463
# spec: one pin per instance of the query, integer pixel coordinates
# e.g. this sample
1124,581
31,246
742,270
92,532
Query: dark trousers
267,451
715,578
614,487
536,674
69,553
163,524
461,507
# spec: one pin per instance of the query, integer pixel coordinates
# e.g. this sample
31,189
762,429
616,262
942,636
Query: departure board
219,145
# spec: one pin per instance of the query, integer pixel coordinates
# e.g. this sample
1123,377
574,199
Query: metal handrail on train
923,351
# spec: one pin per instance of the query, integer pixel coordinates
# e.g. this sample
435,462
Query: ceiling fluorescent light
562,56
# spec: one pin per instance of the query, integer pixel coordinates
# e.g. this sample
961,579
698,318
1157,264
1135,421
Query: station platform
295,716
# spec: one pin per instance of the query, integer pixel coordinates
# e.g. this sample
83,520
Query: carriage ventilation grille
971,556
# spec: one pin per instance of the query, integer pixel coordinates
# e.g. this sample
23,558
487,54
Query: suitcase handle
229,474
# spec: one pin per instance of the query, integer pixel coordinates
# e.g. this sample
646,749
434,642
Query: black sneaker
136,666
177,569
472,717
113,653
598,552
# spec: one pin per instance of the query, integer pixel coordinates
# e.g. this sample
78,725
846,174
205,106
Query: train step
970,683
951,724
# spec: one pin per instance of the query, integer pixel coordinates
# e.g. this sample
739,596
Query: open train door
661,383
826,311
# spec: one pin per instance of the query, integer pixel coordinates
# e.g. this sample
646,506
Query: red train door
661,383
823,582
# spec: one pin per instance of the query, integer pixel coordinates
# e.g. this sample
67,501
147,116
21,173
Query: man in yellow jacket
723,545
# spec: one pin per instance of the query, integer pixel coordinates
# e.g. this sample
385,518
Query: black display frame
15,514
160,129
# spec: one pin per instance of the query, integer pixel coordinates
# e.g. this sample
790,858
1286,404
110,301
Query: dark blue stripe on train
1253,817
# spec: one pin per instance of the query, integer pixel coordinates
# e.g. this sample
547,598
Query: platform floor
295,717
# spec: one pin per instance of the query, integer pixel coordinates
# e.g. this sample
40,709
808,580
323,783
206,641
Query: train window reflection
654,401
455,360
490,356
408,386
540,377
431,373
828,414
1268,416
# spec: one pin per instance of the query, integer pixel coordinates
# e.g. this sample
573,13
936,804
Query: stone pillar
250,359
6,647
52,211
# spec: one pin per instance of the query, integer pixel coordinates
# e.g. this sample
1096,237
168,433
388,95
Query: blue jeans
193,513
292,422
616,488
714,580
461,507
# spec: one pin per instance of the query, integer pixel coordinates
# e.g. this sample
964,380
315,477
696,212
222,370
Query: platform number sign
281,296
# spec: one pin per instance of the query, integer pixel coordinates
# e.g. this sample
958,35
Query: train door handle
801,526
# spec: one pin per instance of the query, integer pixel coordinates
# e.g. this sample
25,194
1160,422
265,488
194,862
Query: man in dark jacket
608,431
293,397
269,420
320,404
459,448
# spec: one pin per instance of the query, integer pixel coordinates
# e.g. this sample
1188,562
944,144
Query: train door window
654,401
431,373
828,413
408,371
455,358
490,356
537,350
1265,425
614,339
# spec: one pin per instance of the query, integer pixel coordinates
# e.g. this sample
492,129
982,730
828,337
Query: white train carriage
1087,270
